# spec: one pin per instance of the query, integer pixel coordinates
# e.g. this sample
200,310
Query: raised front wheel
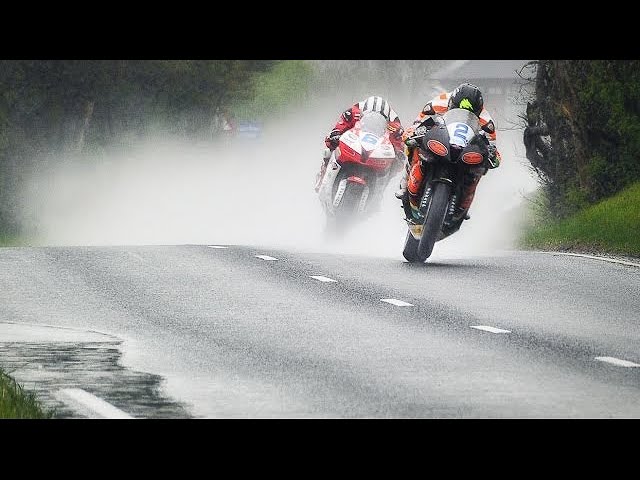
434,218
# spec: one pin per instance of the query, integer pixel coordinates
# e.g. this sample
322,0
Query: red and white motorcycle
358,172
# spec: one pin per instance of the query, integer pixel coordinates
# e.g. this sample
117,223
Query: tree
583,130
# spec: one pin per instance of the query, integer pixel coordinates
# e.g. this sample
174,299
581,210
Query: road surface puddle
47,360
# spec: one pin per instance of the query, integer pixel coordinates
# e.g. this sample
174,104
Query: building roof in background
480,69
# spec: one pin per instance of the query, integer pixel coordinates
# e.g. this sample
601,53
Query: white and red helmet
380,105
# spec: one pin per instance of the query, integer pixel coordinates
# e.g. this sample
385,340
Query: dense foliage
583,133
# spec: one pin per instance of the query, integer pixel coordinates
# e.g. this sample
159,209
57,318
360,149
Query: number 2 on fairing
461,131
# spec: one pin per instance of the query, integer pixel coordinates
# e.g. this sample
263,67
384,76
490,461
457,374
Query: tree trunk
568,106
88,113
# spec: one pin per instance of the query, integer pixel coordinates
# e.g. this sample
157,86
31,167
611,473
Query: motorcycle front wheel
410,251
347,211
434,217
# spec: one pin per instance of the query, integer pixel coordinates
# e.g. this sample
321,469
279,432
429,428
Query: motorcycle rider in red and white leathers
348,119
467,96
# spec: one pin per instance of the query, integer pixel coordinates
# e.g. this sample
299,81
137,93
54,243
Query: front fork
430,172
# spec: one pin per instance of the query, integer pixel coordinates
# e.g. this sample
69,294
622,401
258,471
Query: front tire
434,218
410,251
347,212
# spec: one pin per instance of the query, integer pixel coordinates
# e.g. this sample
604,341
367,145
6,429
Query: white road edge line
618,362
216,246
322,278
94,405
593,257
487,328
398,303
266,257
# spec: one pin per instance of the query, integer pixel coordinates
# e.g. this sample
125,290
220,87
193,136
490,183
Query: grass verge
15,402
611,226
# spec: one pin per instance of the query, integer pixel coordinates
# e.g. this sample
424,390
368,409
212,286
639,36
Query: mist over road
124,300
258,332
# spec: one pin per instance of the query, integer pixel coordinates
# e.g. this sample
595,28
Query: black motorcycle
453,147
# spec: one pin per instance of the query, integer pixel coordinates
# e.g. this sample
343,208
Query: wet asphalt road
191,331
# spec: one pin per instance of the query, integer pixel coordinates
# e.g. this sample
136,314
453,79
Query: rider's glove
334,138
494,156
411,142
421,130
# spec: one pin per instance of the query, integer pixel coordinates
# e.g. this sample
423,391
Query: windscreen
462,126
373,122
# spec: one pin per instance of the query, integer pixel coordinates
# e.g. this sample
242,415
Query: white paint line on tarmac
398,303
266,257
617,361
216,246
593,257
323,279
91,404
135,255
487,328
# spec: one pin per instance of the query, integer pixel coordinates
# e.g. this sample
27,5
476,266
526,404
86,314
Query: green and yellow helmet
467,96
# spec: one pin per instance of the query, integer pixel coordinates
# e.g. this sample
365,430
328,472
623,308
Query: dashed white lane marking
323,279
617,361
605,259
398,303
266,257
490,329
216,246
91,404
